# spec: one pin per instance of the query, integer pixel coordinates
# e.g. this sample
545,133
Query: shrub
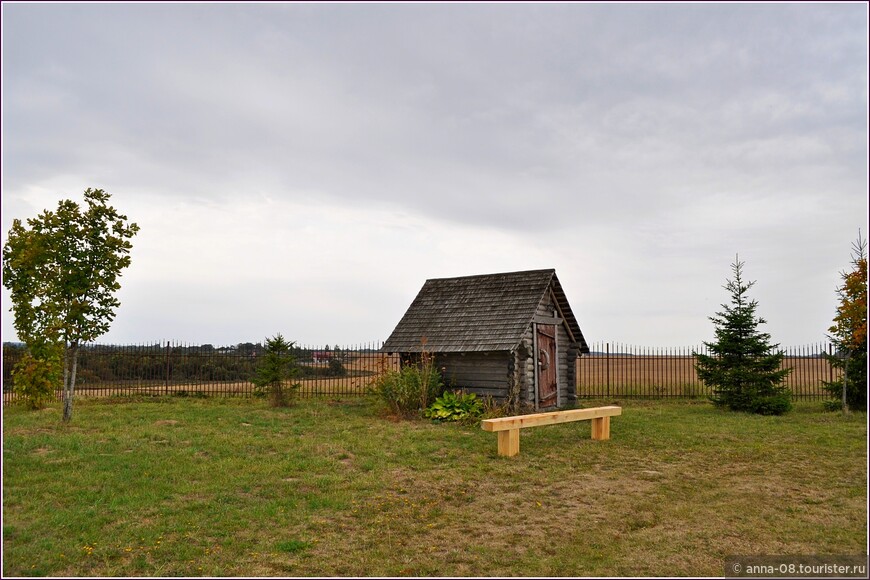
37,375
833,405
409,390
455,406
336,368
772,404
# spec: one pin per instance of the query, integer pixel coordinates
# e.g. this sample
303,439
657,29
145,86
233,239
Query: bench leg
601,428
509,442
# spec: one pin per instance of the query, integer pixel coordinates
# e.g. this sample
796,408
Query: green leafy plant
455,406
38,373
410,390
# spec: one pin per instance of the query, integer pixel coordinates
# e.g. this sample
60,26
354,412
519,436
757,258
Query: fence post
608,370
166,379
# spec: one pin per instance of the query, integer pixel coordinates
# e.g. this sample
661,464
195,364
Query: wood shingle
483,313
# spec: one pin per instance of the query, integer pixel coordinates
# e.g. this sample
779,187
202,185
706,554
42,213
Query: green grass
230,487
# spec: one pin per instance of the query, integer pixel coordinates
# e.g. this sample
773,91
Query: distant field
675,376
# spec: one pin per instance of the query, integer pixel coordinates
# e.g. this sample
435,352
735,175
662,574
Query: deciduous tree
743,368
62,271
849,333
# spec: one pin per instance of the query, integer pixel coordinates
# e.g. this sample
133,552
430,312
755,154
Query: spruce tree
276,369
742,368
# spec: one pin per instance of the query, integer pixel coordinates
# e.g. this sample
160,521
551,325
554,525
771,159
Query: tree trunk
65,370
845,383
70,382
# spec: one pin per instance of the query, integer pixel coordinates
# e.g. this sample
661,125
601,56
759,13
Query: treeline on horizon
176,363
242,347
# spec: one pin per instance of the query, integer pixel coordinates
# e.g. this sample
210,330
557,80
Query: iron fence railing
610,370
182,370
619,370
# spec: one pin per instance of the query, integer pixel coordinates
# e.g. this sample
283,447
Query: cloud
251,266
380,145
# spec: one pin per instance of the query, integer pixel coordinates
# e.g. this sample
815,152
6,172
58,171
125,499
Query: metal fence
181,370
618,370
610,370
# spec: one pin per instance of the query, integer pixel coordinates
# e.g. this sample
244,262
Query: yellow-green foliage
455,406
36,376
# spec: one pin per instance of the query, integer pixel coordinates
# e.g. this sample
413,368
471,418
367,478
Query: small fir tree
849,334
743,369
278,366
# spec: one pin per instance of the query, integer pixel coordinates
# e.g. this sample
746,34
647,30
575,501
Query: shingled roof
490,312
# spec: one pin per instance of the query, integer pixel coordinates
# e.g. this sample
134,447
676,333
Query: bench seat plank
508,428
522,421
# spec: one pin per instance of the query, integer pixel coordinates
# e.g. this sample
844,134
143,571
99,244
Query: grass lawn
230,487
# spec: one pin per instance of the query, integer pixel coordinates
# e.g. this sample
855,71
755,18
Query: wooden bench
508,428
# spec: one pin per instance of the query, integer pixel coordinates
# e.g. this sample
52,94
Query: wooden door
547,361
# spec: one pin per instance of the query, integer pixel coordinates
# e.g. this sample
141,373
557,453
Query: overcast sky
303,169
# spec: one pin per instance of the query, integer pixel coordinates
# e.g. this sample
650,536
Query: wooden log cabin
509,336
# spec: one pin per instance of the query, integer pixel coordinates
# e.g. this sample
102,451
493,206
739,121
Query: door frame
535,362
555,324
